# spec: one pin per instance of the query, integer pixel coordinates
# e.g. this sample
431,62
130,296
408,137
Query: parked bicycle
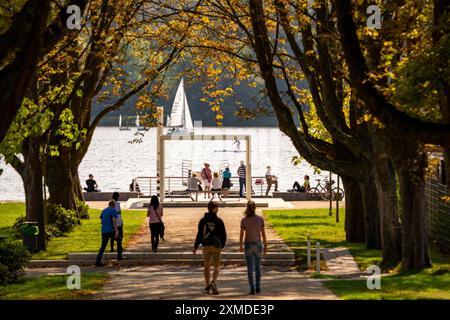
322,191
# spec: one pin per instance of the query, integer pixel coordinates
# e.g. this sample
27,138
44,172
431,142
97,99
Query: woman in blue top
226,182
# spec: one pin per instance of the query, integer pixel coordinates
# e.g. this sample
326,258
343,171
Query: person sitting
134,186
193,185
271,179
91,184
306,185
216,183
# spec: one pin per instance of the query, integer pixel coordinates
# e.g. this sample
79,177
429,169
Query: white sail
137,121
176,116
189,126
120,120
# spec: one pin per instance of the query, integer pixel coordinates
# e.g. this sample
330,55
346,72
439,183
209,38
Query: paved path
186,282
178,282
340,262
181,229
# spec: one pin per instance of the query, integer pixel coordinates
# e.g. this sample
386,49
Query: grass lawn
295,225
53,288
85,238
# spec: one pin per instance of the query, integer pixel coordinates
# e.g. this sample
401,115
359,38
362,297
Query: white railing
149,186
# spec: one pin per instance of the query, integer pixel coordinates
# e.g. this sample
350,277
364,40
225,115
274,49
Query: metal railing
149,186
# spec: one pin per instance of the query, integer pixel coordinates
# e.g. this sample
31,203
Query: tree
27,36
406,131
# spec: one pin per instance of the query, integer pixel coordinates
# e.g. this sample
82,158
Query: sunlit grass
53,288
85,238
295,225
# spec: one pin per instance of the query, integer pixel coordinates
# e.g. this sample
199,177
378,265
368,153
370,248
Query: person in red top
207,178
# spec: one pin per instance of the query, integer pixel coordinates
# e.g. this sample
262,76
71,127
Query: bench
105,196
190,193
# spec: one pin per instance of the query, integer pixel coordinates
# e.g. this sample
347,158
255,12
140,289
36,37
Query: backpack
208,237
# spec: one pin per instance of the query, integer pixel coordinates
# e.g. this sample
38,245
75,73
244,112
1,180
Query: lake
114,161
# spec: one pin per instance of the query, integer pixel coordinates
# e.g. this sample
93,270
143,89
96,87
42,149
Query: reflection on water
114,161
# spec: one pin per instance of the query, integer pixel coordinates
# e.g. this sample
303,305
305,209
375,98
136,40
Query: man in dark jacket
212,236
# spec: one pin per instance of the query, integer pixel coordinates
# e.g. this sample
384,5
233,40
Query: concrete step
90,262
288,255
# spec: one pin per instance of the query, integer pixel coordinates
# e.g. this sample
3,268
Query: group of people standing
211,183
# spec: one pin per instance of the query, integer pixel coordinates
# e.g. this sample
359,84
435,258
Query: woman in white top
216,183
154,214
119,222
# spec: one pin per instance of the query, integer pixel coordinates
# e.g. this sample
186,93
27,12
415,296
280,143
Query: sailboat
120,124
180,120
139,128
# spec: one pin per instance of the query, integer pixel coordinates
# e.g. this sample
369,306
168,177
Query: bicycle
323,191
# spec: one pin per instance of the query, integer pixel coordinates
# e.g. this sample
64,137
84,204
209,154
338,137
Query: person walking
155,213
271,179
119,222
226,181
207,178
109,229
212,236
252,226
242,173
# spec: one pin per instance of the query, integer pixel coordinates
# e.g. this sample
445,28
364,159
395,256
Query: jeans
241,186
155,230
106,237
253,255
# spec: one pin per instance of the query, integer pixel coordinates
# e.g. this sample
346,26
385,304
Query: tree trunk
390,227
32,181
63,186
371,214
354,210
386,185
415,251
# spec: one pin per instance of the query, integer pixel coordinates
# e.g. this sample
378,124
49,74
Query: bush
62,219
13,259
82,209
59,222
17,226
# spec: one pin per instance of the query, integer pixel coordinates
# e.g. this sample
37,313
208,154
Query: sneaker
100,264
258,290
214,288
121,258
252,292
207,289
155,250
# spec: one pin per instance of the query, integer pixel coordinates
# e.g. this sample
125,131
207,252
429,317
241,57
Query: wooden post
331,195
308,252
337,200
159,148
248,175
318,257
